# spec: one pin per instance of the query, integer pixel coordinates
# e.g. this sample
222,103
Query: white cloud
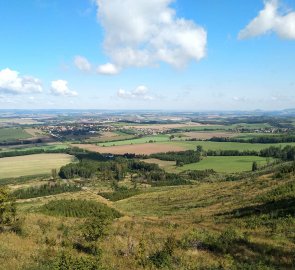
145,32
140,92
60,88
270,19
11,82
82,63
108,69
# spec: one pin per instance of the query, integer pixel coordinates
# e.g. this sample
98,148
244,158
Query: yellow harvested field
32,164
138,149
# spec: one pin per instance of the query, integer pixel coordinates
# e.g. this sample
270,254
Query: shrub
79,208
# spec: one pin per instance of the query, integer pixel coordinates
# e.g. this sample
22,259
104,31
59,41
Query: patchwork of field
109,137
161,143
18,121
32,164
161,127
138,149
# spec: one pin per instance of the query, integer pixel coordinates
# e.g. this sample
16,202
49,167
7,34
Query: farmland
139,149
11,134
229,164
158,138
138,146
191,209
207,145
225,164
32,164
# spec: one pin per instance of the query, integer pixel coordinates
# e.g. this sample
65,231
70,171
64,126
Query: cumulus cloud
145,32
60,88
82,63
270,19
11,82
140,92
108,69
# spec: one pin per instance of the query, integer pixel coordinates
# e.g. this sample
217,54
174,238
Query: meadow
32,164
208,145
45,147
228,164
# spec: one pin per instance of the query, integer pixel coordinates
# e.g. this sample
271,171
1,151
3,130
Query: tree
254,166
199,149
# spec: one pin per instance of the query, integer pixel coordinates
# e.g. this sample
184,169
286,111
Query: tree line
257,139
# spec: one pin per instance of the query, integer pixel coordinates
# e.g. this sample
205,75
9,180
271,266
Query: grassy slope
32,164
153,216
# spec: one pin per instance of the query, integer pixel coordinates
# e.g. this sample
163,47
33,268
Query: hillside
244,224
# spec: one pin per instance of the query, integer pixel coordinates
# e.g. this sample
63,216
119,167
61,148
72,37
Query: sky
147,54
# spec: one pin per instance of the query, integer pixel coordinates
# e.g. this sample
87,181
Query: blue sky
147,54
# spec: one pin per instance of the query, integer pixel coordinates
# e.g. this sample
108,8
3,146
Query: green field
32,164
157,138
12,134
225,164
48,147
207,145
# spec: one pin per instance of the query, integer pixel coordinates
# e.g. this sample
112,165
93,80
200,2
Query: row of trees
183,157
258,139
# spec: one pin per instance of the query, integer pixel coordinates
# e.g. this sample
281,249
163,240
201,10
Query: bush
79,208
164,257
65,261
45,190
